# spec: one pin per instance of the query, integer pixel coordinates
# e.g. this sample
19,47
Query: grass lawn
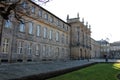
101,71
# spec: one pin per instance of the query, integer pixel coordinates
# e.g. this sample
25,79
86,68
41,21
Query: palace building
43,36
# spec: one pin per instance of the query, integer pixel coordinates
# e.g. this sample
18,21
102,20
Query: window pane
57,36
33,9
50,37
45,32
7,23
30,28
46,16
5,45
24,4
22,27
38,30
40,13
20,47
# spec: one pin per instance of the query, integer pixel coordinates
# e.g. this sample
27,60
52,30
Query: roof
48,11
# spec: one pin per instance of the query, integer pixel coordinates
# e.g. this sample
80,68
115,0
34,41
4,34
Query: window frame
5,45
30,31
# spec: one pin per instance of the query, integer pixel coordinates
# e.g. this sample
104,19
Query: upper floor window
24,4
46,16
58,23
45,32
51,19
5,45
22,27
67,28
66,39
33,9
8,24
30,28
40,13
57,36
62,38
63,25
50,37
38,30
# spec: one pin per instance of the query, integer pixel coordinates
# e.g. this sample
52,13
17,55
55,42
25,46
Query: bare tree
8,7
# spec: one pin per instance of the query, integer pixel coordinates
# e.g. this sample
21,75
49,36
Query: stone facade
80,39
43,36
95,49
115,50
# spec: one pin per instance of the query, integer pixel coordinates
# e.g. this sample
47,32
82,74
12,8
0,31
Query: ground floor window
20,47
5,45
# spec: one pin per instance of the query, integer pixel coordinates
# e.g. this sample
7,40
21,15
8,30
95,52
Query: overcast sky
102,15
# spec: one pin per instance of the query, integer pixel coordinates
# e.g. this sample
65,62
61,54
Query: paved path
18,70
103,60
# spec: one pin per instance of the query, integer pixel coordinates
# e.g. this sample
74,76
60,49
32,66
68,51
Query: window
49,49
7,23
33,9
66,39
44,51
46,16
57,36
40,13
20,47
5,45
62,38
67,28
30,28
30,48
45,32
38,30
21,27
24,4
51,19
37,50
50,37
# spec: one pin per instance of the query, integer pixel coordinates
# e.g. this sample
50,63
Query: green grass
101,71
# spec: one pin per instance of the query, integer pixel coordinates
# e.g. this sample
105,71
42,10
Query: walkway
18,70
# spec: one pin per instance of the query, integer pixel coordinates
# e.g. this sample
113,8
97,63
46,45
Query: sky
102,15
